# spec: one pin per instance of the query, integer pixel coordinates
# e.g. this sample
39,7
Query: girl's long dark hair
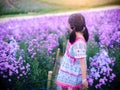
77,24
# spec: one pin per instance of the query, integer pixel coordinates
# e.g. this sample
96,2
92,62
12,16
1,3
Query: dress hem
68,85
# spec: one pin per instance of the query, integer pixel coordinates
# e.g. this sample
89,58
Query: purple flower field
41,34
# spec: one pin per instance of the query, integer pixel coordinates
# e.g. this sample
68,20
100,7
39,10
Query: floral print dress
69,74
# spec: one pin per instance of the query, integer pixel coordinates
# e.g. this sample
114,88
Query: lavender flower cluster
101,69
9,64
40,34
107,28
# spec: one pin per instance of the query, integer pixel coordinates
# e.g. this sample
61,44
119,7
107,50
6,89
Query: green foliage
62,44
115,52
92,49
39,67
1,6
12,11
96,38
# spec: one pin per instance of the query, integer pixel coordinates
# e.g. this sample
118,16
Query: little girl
72,72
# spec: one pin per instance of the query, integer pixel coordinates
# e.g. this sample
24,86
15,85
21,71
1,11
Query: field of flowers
27,47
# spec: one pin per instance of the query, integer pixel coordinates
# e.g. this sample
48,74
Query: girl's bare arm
84,72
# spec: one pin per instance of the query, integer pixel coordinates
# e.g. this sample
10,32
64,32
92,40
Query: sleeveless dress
69,75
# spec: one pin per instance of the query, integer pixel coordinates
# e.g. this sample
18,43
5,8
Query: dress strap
80,38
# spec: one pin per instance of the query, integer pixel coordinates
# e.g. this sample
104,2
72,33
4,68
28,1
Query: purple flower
9,80
112,76
104,69
96,75
105,79
4,76
102,81
101,72
21,75
93,69
10,73
98,86
90,80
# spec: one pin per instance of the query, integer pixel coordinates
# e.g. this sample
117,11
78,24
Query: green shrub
38,74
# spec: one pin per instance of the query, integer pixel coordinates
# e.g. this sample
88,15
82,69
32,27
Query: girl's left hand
85,83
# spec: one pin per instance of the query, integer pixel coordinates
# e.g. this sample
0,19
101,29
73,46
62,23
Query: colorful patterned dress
69,74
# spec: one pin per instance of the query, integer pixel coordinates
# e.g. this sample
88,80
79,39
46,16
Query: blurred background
50,6
33,37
